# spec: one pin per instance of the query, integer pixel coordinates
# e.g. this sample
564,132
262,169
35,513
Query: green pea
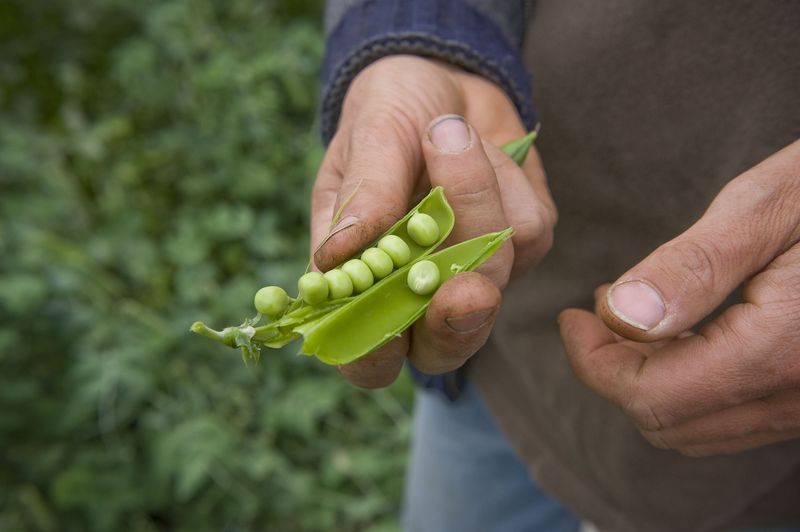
379,262
359,273
339,284
396,248
271,301
423,278
423,229
313,288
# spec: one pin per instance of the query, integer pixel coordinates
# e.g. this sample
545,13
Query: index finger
375,165
723,366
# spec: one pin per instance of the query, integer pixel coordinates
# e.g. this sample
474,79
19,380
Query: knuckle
769,344
693,261
382,381
777,288
533,232
386,132
656,439
321,190
643,415
380,368
474,190
773,205
367,380
380,198
438,363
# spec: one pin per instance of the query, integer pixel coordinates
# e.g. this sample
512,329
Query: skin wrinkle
472,197
737,445
779,282
781,407
776,211
651,421
723,335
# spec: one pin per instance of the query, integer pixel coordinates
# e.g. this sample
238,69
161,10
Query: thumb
752,220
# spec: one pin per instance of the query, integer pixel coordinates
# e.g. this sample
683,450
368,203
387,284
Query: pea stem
264,333
223,337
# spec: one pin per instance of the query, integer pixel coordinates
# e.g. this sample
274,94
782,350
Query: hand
735,384
391,147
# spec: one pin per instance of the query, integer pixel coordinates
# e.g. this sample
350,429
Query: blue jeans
464,477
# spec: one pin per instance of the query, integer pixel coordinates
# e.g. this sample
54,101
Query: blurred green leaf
156,159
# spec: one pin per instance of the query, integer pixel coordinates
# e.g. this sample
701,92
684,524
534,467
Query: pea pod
365,329
279,333
518,149
387,309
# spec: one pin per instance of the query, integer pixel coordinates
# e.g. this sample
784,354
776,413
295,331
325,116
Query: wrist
415,90
450,30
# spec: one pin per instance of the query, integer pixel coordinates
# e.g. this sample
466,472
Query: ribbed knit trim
449,30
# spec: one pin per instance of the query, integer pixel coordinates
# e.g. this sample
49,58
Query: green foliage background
155,165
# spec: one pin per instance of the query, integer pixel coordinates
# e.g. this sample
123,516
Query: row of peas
357,275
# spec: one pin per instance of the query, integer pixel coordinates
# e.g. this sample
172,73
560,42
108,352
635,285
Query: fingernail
471,322
341,225
637,304
450,134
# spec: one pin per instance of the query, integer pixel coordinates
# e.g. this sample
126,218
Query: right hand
391,147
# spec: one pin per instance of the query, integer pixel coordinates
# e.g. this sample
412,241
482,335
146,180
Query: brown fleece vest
647,109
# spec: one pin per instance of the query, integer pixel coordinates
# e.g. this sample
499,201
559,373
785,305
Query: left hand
391,148
735,384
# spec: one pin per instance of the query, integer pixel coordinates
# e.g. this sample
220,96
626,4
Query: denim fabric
450,30
511,16
450,385
464,477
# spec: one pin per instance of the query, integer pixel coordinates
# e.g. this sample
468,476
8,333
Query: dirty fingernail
344,223
450,134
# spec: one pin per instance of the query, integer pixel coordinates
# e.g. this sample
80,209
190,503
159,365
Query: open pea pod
279,333
371,329
283,330
384,311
